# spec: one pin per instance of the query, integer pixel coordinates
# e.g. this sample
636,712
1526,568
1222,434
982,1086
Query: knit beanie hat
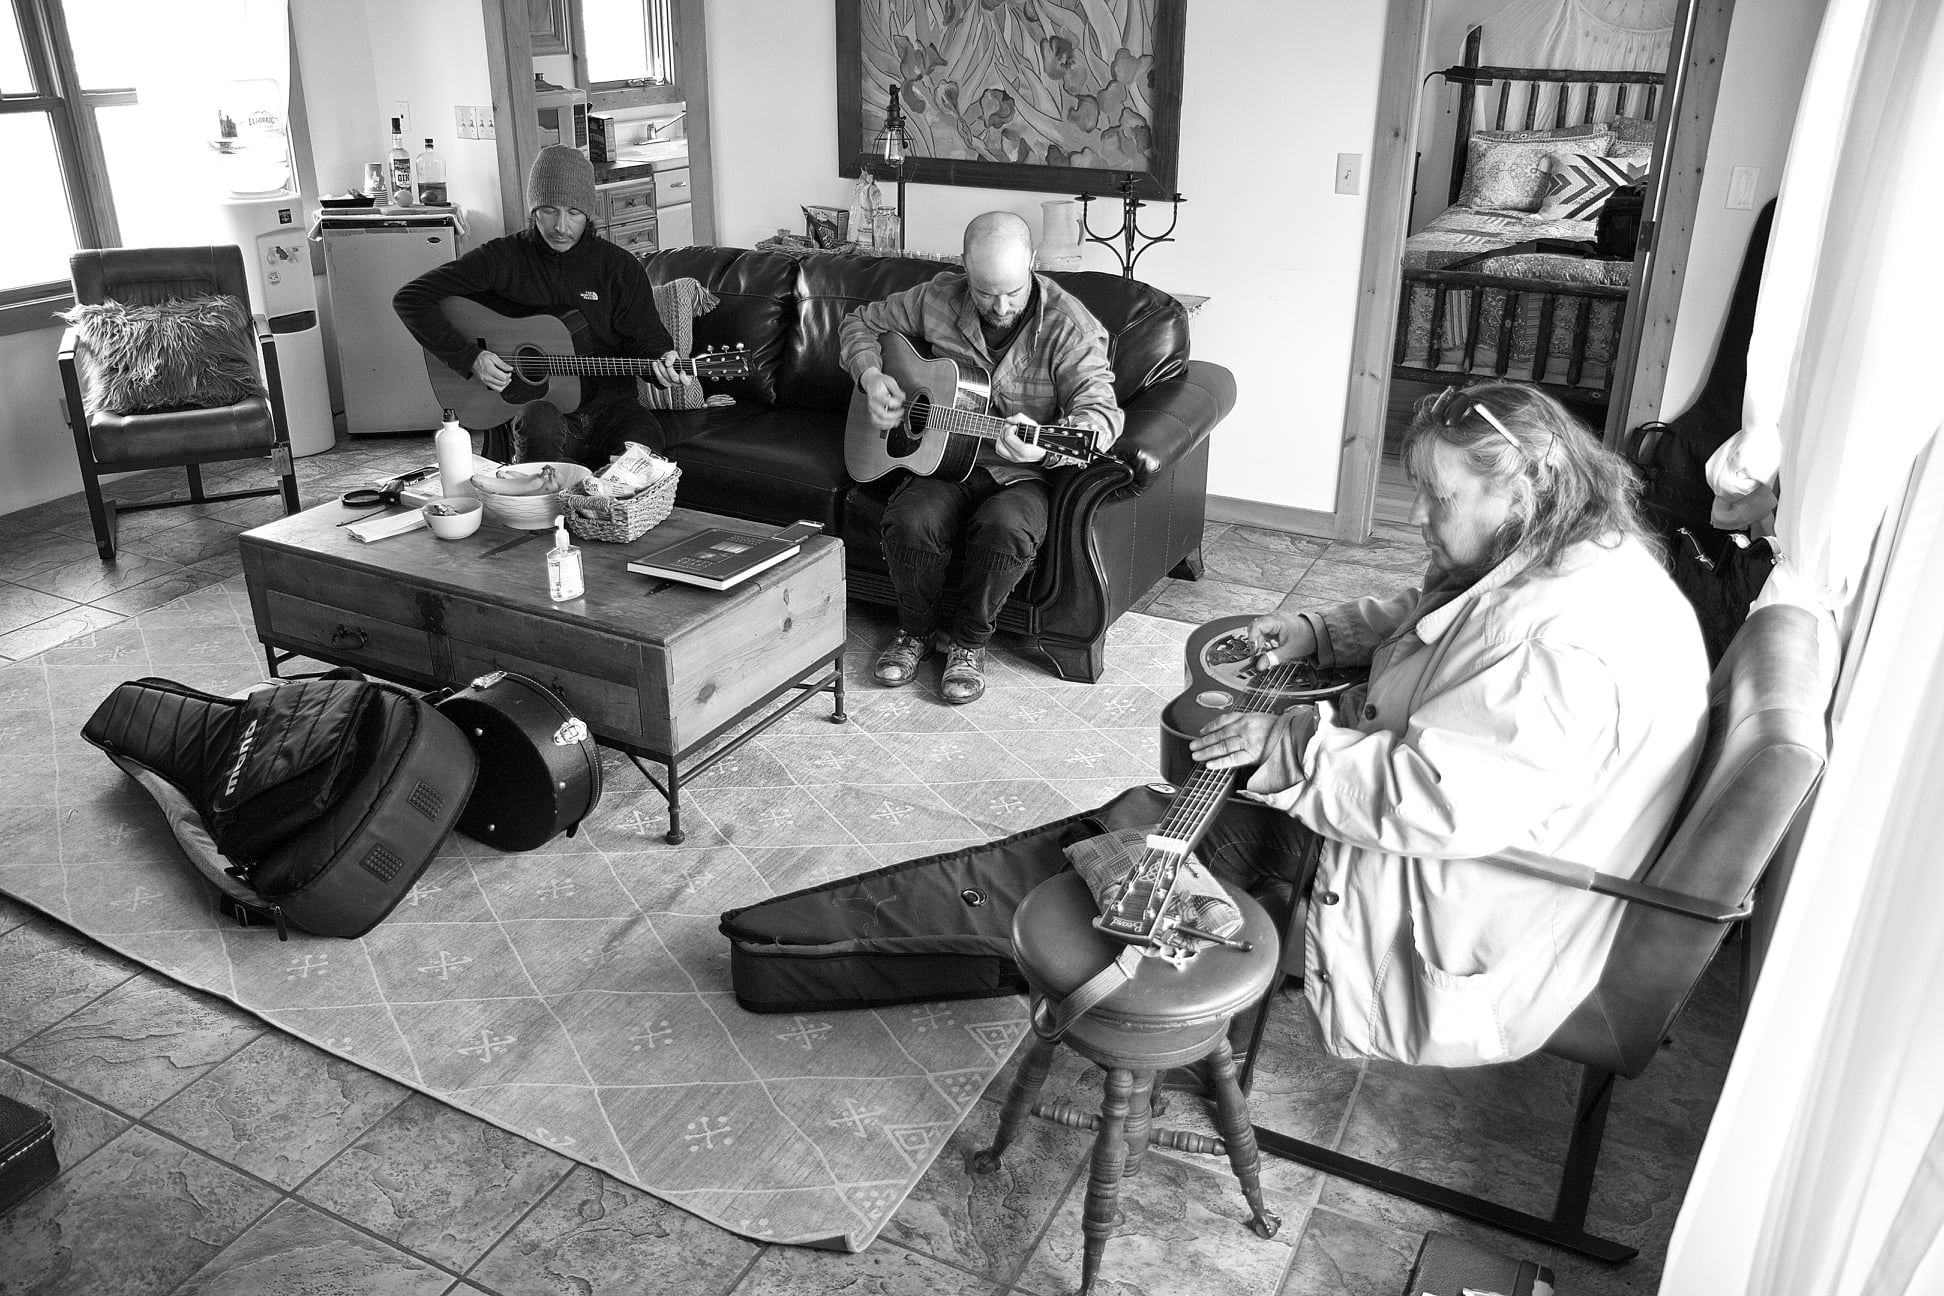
561,177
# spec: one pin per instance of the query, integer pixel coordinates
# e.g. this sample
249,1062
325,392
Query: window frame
608,96
70,112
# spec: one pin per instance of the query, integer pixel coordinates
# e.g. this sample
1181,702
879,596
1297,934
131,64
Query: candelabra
1130,229
893,143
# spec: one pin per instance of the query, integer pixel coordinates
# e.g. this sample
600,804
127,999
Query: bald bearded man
1047,357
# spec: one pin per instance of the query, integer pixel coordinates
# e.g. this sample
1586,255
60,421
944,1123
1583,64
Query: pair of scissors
383,495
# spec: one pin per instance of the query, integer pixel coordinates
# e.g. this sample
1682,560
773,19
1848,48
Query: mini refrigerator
369,256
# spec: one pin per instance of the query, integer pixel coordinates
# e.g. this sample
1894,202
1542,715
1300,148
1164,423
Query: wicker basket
602,517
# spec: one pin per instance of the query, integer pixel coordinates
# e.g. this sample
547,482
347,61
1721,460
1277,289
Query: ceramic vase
1059,246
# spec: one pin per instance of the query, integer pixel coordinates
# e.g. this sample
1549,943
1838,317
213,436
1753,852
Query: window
630,43
59,185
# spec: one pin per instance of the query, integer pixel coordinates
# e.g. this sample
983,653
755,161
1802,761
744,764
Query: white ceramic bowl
462,521
509,493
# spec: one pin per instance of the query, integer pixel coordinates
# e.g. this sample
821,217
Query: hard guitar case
940,927
338,875
539,770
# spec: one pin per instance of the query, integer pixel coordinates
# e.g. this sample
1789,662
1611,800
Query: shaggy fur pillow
196,353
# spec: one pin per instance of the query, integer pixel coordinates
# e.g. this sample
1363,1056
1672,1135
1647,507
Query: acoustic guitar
544,351
946,416
1221,679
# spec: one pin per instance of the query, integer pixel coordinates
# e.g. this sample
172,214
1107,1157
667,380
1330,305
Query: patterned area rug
579,995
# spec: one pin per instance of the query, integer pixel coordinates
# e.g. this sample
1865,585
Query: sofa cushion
1147,329
829,288
758,462
756,298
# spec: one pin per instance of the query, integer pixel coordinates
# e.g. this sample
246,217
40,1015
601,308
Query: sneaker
897,665
964,679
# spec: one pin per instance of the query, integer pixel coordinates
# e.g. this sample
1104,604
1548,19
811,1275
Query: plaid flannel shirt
1056,371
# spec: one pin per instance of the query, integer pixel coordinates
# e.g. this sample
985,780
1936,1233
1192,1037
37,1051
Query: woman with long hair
1544,690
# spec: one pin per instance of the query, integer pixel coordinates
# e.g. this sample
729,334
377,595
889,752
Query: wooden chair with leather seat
108,444
1765,750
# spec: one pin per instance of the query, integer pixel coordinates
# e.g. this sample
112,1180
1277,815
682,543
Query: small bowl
458,524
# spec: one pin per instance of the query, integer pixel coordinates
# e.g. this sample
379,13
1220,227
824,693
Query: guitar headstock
1066,446
722,362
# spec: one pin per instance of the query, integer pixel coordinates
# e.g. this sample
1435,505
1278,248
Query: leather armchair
777,454
112,444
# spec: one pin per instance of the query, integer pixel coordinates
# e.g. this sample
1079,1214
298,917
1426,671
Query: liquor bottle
431,177
452,447
400,163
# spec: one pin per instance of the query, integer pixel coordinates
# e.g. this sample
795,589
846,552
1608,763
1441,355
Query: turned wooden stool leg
1019,1099
1140,1119
1103,1185
1238,1133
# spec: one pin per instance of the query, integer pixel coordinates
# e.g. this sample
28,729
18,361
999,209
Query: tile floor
203,1152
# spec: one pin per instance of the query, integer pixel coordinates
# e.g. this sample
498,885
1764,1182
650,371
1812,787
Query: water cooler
277,255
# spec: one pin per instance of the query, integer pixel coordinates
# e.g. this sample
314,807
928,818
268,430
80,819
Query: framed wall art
1059,96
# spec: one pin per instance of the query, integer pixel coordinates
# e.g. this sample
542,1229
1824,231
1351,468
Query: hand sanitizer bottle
452,447
564,580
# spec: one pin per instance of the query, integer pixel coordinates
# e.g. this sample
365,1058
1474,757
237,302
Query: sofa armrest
1169,419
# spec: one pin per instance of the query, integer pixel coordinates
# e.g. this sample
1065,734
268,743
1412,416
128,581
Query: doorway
1370,487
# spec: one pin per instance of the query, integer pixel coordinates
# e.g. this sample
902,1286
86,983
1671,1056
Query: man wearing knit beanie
558,266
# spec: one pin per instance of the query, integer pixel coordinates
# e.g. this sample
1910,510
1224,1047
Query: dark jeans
590,436
996,531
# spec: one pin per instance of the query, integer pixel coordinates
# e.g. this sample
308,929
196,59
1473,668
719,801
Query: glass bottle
431,177
400,165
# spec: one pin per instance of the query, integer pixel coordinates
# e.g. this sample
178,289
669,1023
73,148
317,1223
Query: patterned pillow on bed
1578,185
1504,170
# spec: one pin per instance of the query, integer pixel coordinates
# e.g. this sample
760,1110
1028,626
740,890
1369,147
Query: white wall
1769,45
1262,233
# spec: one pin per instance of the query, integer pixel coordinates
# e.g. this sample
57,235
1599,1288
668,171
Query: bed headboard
1535,98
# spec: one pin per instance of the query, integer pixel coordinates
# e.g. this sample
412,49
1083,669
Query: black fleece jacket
602,282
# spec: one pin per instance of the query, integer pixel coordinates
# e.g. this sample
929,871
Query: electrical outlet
1349,166
403,111
1741,187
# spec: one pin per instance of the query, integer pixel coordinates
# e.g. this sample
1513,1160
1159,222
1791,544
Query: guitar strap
1053,1019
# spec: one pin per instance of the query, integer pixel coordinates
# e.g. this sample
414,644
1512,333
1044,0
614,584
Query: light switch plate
1741,187
1349,169
402,110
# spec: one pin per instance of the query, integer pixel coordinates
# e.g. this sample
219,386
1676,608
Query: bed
1505,281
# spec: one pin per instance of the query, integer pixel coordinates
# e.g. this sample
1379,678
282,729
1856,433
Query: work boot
964,679
897,665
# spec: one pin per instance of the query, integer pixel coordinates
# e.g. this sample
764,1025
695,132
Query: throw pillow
193,353
1632,130
1507,174
1579,185
1629,151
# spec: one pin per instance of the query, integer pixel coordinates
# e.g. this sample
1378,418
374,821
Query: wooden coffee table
659,670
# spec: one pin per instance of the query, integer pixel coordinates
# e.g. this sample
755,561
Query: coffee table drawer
373,643
612,709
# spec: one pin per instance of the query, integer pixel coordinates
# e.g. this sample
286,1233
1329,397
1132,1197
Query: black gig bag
27,1157
392,796
539,770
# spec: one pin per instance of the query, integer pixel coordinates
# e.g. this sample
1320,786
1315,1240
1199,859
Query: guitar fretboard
986,426
599,366
1151,883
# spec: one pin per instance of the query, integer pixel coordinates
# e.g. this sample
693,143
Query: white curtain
1839,397
1823,1171
1604,34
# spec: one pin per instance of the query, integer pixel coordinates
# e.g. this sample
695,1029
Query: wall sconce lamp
892,144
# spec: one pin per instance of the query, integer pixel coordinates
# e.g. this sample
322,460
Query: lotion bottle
564,580
452,447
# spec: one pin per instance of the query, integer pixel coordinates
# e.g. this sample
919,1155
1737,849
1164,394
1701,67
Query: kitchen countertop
637,161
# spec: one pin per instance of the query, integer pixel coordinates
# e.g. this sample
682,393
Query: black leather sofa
776,455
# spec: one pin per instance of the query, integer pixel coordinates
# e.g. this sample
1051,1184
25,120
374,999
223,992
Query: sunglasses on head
1451,406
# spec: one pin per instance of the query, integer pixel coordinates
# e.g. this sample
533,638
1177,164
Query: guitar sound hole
918,413
530,365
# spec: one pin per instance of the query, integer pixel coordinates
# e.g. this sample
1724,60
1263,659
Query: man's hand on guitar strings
666,375
885,398
1011,446
492,371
